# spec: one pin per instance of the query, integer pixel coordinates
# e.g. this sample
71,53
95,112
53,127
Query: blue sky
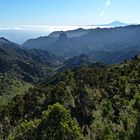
24,19
68,12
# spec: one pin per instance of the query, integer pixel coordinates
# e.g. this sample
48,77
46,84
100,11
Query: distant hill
108,57
77,61
80,31
112,40
40,42
71,33
20,68
13,56
115,24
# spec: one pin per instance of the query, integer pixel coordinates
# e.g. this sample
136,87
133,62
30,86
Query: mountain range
38,59
77,61
99,44
20,68
14,56
57,87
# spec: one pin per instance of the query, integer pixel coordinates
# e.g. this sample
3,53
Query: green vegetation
96,103
55,124
10,86
21,69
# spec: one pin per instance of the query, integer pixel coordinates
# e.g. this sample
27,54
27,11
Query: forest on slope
21,69
91,103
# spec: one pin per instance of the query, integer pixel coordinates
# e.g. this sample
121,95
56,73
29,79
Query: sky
68,12
23,19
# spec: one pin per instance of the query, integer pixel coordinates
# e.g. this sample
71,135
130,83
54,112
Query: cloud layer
41,28
20,33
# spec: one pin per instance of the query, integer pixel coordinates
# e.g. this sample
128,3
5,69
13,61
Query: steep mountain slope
119,39
20,68
13,52
29,64
77,61
112,39
39,43
109,57
62,46
10,86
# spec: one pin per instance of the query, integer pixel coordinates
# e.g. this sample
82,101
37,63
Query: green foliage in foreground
10,86
55,124
104,101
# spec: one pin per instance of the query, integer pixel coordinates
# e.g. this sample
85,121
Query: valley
54,87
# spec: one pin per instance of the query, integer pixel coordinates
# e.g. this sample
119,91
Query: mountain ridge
76,61
118,39
12,54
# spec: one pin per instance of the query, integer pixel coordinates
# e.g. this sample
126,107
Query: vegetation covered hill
77,61
21,68
10,86
86,103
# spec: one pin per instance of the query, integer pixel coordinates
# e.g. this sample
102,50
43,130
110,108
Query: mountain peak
63,35
76,61
4,40
83,57
116,23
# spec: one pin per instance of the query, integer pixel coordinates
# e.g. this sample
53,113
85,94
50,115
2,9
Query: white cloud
102,13
108,2
21,33
42,28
